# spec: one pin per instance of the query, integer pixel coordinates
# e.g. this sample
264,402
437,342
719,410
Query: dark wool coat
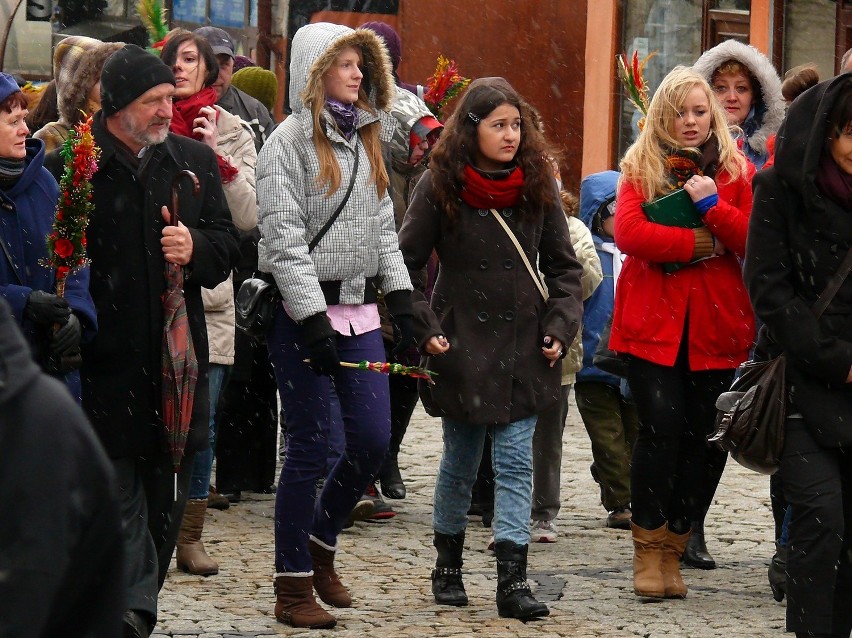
489,308
797,240
121,366
61,544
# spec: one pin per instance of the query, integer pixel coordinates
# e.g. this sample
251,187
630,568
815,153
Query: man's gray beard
150,139
140,135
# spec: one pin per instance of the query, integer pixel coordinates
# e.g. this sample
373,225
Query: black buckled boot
447,585
514,597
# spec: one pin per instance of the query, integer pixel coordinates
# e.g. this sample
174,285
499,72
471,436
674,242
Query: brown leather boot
191,556
295,604
326,582
647,561
673,548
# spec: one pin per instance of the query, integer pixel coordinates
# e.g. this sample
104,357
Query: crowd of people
392,236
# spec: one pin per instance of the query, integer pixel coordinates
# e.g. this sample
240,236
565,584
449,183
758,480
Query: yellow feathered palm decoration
154,18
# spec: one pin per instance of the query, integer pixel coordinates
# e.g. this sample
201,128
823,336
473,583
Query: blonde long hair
645,164
329,174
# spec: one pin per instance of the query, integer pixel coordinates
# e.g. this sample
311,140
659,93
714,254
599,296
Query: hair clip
474,118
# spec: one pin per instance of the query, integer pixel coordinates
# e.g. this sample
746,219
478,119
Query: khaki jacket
584,249
237,146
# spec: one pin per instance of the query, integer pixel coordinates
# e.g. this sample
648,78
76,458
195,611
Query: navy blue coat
26,218
596,190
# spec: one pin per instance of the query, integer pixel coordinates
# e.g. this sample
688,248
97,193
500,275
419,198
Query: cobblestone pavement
585,577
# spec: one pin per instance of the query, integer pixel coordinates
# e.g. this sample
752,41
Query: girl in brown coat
493,339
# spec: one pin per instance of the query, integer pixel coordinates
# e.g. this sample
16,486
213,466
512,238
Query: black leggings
674,472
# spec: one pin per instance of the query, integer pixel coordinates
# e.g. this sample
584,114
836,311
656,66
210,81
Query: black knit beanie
127,74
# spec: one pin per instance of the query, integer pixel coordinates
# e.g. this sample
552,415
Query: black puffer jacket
797,240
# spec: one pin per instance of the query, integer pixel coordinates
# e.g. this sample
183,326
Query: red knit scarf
184,114
482,192
185,111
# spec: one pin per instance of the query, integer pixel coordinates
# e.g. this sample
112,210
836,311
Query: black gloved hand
70,361
403,334
46,308
399,308
322,344
66,340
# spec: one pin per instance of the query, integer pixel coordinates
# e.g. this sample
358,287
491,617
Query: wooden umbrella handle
174,216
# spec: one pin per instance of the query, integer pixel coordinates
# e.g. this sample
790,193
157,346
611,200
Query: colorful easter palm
630,71
445,84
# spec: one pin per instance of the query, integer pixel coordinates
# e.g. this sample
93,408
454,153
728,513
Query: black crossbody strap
833,286
313,243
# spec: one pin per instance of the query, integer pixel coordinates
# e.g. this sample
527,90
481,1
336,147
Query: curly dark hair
458,145
205,52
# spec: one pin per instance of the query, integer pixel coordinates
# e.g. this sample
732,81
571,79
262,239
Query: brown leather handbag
750,416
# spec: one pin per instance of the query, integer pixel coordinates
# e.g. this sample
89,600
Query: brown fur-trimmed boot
326,582
673,548
647,561
295,604
191,556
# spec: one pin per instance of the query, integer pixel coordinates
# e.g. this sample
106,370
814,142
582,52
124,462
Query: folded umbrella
179,363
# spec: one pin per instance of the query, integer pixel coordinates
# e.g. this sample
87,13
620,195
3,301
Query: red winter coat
651,306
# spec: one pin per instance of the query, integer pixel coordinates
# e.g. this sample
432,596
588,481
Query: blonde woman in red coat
684,332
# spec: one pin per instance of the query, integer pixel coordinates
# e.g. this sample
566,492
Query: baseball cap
220,41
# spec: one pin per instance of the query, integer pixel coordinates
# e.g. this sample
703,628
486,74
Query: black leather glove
66,340
46,308
321,340
399,308
71,361
403,334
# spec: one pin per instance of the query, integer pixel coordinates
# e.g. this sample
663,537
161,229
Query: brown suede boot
673,548
326,582
647,561
191,556
295,604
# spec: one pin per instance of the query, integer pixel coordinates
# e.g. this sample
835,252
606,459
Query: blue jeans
199,485
511,457
309,411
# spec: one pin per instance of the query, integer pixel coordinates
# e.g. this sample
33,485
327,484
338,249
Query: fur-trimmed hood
763,71
77,65
316,47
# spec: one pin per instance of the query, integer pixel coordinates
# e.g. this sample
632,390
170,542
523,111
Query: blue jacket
26,218
595,190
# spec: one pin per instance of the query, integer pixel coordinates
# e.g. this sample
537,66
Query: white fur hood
765,74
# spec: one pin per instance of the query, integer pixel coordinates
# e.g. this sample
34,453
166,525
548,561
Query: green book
674,209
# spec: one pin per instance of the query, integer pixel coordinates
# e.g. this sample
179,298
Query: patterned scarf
501,189
685,162
10,172
345,116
